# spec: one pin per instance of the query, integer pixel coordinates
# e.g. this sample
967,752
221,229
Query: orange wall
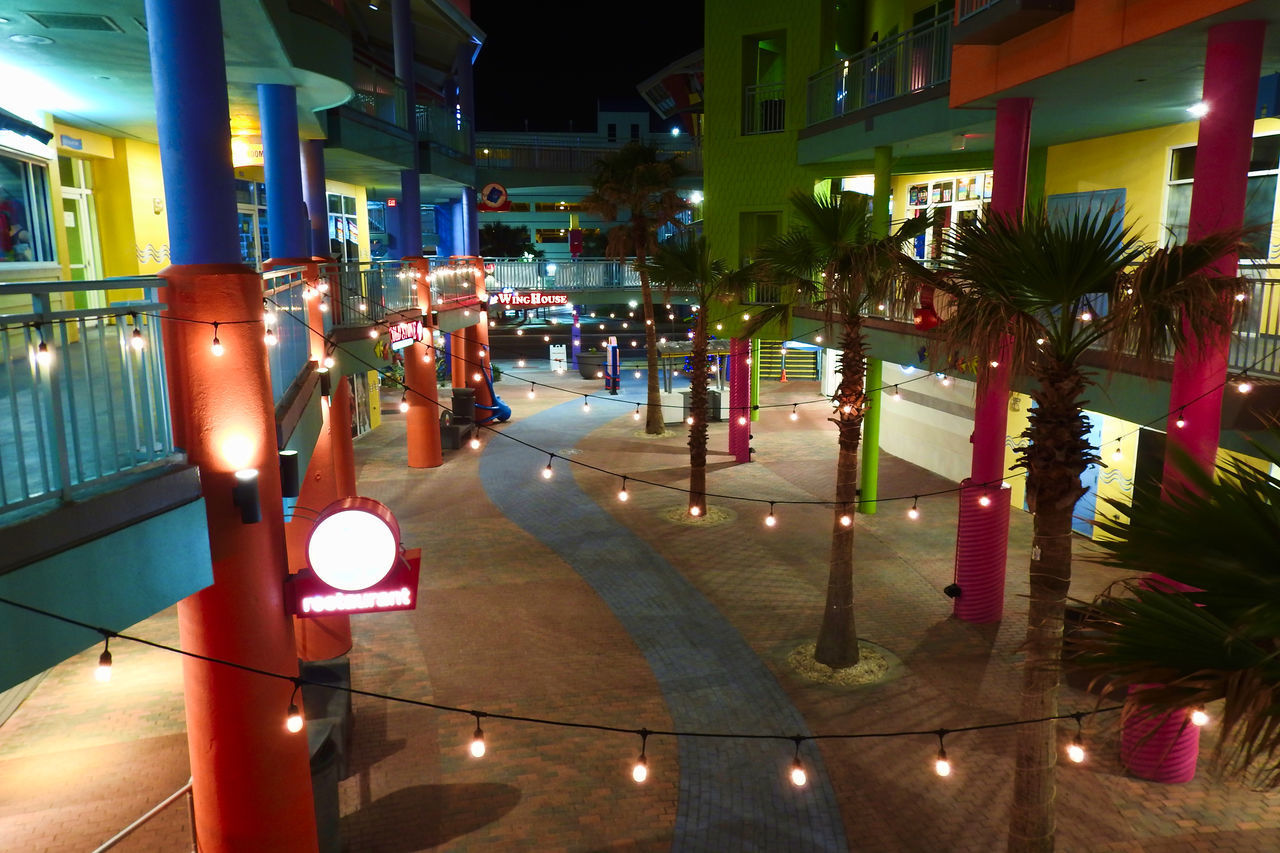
1095,27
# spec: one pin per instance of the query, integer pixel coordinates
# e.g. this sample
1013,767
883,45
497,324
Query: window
764,61
557,207
251,214
1260,193
551,235
613,133
344,228
635,133
25,224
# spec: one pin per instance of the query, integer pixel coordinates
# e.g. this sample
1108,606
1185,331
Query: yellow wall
135,235
1138,162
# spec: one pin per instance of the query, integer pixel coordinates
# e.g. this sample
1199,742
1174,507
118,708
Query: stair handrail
155,810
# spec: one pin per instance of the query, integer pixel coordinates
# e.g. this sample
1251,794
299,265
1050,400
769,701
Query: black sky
548,62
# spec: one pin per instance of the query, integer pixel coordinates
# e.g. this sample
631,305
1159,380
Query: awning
22,127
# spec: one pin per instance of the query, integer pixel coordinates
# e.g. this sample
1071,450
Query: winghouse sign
355,563
531,299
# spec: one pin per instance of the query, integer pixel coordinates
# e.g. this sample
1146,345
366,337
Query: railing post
57,424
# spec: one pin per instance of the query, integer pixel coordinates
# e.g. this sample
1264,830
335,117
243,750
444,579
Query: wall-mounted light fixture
290,484
245,495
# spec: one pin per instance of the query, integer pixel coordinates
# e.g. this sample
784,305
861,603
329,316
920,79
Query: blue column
188,72
286,213
444,228
410,214
466,229
410,230
314,195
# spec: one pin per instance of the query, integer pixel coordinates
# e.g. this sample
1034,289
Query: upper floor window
1260,194
26,233
344,228
764,63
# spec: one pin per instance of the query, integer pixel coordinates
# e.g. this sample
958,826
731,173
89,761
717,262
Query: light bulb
1180,422
519,331
520,363
798,777
635,416
914,512
477,743
1117,455
547,472
985,500
475,443
293,722
847,408
995,364
1085,317
795,416
695,511
770,520
137,341
586,405
103,672
362,307
270,337
640,771
373,334
637,374
546,339
324,305
477,377
1240,297
746,317
818,339
897,395
217,348
942,766
742,420
689,420
1199,717
328,361
532,392
1244,387
308,294
599,374
846,520
1075,750
323,287
622,493
404,403
43,356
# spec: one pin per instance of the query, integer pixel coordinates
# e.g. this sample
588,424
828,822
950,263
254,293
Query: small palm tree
686,263
635,180
1218,638
834,261
1039,287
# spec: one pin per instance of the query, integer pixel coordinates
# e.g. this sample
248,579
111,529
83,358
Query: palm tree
635,180
834,261
686,263
1218,638
1048,291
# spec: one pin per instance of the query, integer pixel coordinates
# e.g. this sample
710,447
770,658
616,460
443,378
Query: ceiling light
23,38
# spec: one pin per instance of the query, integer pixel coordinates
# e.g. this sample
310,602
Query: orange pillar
252,779
458,345
339,425
423,421
479,356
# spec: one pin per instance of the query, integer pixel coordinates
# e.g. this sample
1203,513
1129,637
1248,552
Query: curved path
734,794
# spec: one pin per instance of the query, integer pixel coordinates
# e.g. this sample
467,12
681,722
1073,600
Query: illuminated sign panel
407,332
356,565
531,299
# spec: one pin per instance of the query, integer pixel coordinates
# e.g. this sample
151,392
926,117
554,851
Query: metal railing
582,274
968,8
379,95
364,292
284,293
570,154
1255,343
185,790
82,391
764,108
911,62
445,131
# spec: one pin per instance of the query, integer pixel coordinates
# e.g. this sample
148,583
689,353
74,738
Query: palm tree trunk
1058,452
698,409
653,408
838,636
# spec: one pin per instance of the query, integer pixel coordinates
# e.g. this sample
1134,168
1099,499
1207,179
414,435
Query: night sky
548,62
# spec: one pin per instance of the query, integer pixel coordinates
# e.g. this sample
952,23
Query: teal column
869,457
755,379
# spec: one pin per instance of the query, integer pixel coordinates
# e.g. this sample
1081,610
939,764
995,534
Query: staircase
802,364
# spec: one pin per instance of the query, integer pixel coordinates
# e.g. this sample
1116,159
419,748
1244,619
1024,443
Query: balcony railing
283,294
445,131
968,8
363,293
911,62
764,108
379,95
83,398
571,154
583,274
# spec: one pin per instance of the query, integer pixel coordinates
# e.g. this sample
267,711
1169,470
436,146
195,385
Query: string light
478,377
941,765
475,442
533,391
1244,386
1181,421
845,519
216,347
323,286
586,404
798,777
995,364
795,415
373,333
897,395
103,671
1085,317
622,492
770,520
637,372
43,356
1075,749
270,337
914,512
689,420
985,500
520,363
695,510
547,472
742,420
477,738
293,719
1117,454
640,770
362,307
1199,716
137,341
324,305
404,402
328,361
635,416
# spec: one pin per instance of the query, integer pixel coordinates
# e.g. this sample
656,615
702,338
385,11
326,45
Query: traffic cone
782,376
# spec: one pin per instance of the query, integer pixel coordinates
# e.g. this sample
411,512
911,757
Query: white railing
82,391
184,791
283,294
969,8
764,108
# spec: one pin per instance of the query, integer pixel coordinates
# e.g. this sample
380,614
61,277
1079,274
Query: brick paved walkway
509,623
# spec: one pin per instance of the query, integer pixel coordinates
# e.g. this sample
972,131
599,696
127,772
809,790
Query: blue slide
499,411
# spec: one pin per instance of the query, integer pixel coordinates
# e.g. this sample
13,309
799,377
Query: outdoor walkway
553,599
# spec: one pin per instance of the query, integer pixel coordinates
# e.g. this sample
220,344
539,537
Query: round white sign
354,544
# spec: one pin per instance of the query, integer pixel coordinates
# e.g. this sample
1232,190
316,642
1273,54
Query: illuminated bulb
636,344
847,408
985,500
995,364
880,307
635,416
103,671
477,743
1116,455
648,322
586,405
323,287
1180,422
546,338
270,337
770,520
519,331
846,520
671,316
746,317
426,357
748,361
373,334
742,420
1085,317
404,402
622,493
1199,717
897,395
269,317
1075,750
475,442
695,511
44,357
362,307
293,722
532,392
520,363
477,377
795,416
640,771
492,324
547,472
662,340
637,372
328,360
308,293
689,420
599,374
324,305
914,512
1240,297
1244,387
942,766
818,339
798,777
137,341
719,327
946,381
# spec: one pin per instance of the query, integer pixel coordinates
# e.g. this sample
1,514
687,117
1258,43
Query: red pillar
740,399
1165,749
344,456
478,358
252,780
982,537
423,420
458,358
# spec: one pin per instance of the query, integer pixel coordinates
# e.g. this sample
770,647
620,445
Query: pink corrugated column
982,536
740,399
1165,750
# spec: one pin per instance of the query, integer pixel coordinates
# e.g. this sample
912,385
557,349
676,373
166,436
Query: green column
1037,167
870,450
755,379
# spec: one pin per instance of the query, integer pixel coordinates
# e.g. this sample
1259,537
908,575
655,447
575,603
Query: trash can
464,405
712,412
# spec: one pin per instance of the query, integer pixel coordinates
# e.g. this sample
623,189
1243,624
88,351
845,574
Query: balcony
764,108
915,63
370,131
445,143
571,154
997,21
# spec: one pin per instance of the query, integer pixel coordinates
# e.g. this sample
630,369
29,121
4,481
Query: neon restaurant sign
529,299
355,563
407,332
